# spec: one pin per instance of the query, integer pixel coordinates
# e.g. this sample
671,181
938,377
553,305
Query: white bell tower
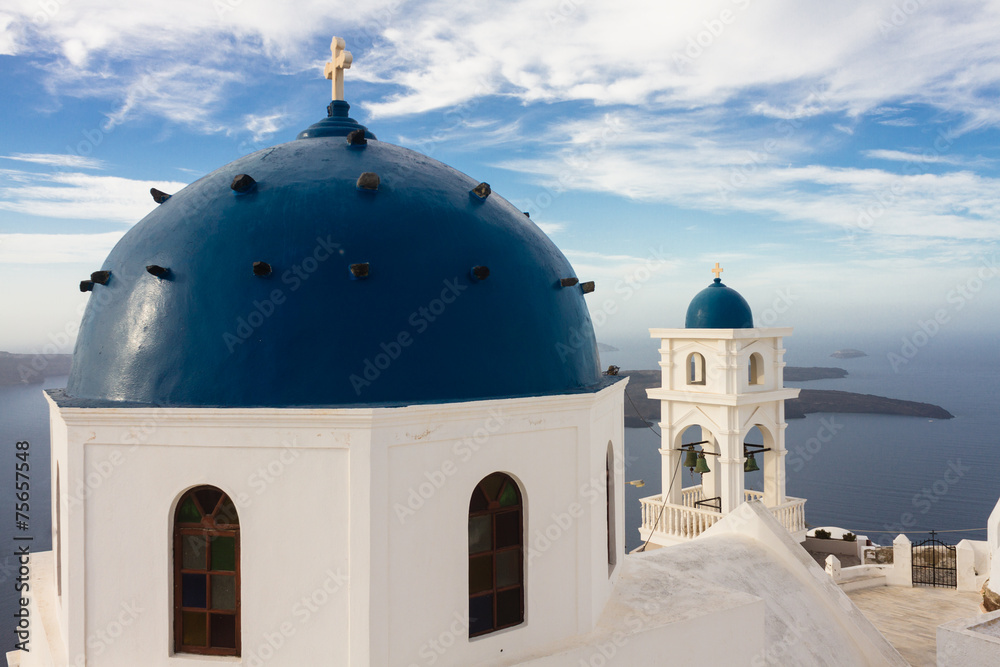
725,376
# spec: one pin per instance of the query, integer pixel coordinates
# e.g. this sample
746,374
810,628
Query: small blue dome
718,307
309,285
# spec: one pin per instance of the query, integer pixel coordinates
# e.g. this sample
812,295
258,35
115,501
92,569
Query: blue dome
718,307
308,288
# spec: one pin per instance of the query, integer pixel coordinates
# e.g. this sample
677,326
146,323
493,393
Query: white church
337,403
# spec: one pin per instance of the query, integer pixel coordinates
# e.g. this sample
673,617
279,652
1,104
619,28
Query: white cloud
263,126
923,158
780,59
8,38
807,59
56,248
181,63
57,160
697,164
79,196
611,267
551,228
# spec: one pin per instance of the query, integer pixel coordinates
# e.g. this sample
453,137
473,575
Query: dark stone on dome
360,270
158,195
357,138
588,286
568,282
307,336
86,285
482,190
158,271
243,183
261,269
480,272
101,277
718,307
368,181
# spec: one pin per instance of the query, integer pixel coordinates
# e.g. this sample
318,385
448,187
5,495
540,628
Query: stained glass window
206,574
496,557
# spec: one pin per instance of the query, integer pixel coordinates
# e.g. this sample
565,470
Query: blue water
868,477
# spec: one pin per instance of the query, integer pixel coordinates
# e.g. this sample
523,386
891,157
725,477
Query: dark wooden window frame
609,493
493,510
212,525
58,533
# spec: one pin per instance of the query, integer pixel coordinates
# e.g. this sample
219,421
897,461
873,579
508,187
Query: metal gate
933,563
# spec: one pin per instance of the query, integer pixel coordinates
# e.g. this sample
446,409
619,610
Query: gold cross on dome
334,69
718,270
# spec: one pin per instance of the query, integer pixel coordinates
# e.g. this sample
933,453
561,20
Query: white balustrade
691,495
687,522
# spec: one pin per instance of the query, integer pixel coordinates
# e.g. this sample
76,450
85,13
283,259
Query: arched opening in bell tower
695,368
755,369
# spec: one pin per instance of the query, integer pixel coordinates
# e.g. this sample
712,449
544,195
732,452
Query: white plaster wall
771,354
557,453
289,476
832,546
331,572
685,642
290,541
901,573
993,543
607,418
58,456
972,564
726,352
970,641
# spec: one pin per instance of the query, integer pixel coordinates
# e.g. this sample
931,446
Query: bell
751,464
702,465
691,460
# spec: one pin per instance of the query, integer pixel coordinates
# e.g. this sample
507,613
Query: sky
839,160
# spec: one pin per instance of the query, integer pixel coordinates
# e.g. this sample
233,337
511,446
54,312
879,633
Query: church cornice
706,398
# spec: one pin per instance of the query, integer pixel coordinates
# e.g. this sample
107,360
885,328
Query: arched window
756,369
610,491
696,369
206,573
496,572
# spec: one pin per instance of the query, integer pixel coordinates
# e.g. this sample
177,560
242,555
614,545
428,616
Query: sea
875,475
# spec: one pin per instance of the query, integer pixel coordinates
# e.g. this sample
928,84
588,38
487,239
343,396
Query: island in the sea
809,400
18,369
806,373
848,353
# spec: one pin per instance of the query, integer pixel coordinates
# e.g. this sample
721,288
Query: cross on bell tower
334,69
